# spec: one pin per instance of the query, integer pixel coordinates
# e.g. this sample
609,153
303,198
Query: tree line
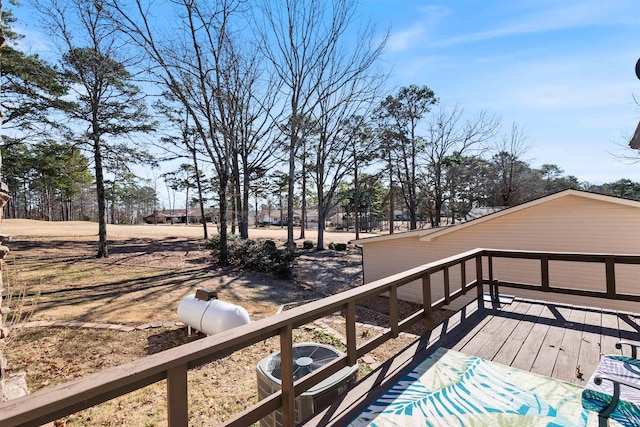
281,101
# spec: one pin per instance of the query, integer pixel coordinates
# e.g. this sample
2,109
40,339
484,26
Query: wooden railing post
426,301
544,272
463,277
610,264
352,352
286,370
447,286
393,311
177,399
479,280
490,264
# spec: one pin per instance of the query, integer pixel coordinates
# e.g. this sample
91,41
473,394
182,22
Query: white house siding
571,223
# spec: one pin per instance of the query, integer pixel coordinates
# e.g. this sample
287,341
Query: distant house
272,217
157,218
177,216
569,221
479,212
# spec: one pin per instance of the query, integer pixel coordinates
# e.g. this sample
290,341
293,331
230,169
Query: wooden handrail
64,399
609,261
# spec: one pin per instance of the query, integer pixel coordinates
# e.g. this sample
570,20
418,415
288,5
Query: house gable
570,221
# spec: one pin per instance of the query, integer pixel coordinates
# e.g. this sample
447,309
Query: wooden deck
555,340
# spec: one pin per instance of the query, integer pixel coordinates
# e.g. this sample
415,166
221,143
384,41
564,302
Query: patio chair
614,388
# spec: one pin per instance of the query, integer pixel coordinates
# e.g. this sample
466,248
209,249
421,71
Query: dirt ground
149,270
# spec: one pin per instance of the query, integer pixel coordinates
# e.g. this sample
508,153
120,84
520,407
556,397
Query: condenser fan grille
306,359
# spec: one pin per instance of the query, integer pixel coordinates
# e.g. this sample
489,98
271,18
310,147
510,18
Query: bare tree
333,153
183,146
252,98
196,63
451,135
360,135
509,169
306,43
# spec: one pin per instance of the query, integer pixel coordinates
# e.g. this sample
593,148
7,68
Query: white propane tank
210,316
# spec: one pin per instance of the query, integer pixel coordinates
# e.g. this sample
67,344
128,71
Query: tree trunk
234,210
291,244
413,217
199,184
452,197
321,217
304,198
391,203
223,258
186,205
244,216
438,210
321,222
103,252
50,205
356,195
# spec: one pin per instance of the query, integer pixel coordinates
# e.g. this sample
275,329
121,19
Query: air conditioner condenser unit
307,358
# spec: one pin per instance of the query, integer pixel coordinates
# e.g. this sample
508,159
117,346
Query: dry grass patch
143,280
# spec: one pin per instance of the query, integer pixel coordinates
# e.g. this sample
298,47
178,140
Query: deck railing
173,364
608,260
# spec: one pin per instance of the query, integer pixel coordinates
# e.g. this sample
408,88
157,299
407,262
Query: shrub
284,267
332,246
341,246
307,244
214,242
256,255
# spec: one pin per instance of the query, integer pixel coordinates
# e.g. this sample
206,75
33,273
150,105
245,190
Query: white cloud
419,32
405,39
553,18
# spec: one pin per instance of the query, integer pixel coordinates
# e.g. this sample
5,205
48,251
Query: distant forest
54,183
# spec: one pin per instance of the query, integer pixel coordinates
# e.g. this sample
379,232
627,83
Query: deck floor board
472,334
609,334
550,346
531,346
497,331
514,345
567,362
590,344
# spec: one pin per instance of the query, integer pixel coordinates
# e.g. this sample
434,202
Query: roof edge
529,204
404,234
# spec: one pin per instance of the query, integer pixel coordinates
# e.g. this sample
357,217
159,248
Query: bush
341,246
256,255
307,244
332,246
214,242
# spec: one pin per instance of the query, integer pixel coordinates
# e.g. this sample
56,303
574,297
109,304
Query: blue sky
562,70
